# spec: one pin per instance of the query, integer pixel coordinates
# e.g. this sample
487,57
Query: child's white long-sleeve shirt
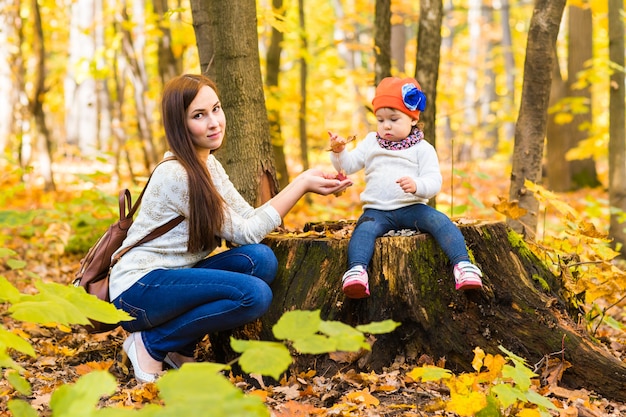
384,166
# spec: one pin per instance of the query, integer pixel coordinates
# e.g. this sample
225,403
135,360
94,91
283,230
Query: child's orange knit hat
404,94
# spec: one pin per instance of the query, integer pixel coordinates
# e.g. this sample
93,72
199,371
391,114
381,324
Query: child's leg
371,224
427,219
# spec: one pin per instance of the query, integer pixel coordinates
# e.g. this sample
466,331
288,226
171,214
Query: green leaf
429,373
13,341
512,356
538,399
344,338
379,327
198,389
66,305
16,264
20,408
491,410
6,252
315,344
8,293
507,394
261,357
149,410
81,398
519,374
18,382
297,324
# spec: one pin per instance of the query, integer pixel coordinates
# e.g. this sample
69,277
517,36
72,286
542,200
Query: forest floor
64,355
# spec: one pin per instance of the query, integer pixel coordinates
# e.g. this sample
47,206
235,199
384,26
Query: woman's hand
320,182
312,180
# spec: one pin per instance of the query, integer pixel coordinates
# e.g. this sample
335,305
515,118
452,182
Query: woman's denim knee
266,263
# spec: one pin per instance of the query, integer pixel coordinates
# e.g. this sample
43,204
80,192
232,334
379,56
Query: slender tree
9,89
617,128
530,130
565,175
509,69
272,73
304,72
41,133
81,105
227,39
169,65
382,40
427,60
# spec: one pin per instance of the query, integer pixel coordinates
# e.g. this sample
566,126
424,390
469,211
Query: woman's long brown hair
206,206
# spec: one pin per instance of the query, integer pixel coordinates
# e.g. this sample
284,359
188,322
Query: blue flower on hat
413,97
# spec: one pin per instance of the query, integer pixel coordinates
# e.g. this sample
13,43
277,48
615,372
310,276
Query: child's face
206,121
393,125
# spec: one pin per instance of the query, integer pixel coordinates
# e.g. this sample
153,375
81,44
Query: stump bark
520,306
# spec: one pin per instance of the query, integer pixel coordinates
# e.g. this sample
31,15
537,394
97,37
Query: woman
175,292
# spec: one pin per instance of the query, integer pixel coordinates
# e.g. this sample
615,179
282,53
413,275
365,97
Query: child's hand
337,143
407,185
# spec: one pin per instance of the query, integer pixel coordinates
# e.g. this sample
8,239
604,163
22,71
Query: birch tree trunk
231,58
81,104
530,130
9,56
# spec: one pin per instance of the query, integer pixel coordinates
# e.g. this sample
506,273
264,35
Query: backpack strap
135,207
125,203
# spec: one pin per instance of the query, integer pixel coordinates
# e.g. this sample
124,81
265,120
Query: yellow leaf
479,355
362,397
466,405
529,412
510,209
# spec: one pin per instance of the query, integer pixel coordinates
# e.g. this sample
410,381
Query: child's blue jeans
375,223
176,308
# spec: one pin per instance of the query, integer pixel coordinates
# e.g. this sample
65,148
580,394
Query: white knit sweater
383,167
167,197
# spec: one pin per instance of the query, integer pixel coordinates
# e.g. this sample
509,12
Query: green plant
54,304
497,388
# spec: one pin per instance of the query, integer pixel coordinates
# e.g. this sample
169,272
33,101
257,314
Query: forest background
82,82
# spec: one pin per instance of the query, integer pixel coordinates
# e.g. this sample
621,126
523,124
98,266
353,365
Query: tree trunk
231,58
9,86
580,53
520,306
304,75
530,130
382,40
427,61
272,73
617,128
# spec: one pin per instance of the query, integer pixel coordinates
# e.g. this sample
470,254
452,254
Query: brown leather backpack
95,267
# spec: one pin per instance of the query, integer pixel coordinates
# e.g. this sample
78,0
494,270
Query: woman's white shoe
176,360
130,348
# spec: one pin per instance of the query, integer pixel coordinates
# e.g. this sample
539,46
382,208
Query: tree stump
411,282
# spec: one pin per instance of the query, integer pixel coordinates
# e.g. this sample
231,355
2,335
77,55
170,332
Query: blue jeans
176,308
421,217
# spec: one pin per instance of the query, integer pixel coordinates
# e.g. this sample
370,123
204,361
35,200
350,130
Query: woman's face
206,121
394,125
